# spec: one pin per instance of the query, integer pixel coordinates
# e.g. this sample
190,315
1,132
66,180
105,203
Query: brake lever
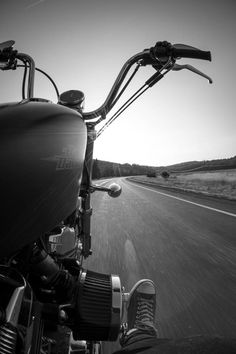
178,67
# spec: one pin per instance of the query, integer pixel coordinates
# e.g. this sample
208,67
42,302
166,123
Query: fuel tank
42,150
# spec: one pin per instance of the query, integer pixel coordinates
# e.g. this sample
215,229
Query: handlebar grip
165,49
190,52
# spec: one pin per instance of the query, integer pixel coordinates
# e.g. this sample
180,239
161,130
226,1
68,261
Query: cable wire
123,107
149,83
126,85
42,72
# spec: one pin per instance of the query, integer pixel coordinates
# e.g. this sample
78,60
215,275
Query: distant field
221,183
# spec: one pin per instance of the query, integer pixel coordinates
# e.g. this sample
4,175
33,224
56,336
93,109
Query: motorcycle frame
85,210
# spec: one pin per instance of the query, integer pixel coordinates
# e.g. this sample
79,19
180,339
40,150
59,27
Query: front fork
85,193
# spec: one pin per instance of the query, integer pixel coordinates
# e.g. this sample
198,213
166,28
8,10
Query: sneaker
141,306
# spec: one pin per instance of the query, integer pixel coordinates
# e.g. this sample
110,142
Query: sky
83,44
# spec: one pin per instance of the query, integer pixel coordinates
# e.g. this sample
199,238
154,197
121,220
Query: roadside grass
221,183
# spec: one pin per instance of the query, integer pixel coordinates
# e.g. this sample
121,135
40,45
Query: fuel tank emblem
68,160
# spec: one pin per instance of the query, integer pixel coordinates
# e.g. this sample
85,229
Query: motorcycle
48,302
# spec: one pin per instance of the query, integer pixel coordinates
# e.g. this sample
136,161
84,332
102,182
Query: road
181,241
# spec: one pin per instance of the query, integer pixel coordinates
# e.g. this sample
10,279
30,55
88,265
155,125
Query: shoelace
145,312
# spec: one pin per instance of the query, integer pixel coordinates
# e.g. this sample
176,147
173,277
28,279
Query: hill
206,165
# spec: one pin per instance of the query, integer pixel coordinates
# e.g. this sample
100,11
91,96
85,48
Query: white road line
102,182
188,201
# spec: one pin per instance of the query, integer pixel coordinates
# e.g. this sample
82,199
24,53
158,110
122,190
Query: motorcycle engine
56,294
16,311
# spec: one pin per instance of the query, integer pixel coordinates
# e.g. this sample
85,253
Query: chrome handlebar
162,57
107,105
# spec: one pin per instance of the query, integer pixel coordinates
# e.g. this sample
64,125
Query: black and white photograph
118,177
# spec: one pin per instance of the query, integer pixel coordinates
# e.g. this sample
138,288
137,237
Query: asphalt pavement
184,242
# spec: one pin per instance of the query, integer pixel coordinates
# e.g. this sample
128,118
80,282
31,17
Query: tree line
112,169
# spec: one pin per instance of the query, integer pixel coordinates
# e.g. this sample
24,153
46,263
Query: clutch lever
178,67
